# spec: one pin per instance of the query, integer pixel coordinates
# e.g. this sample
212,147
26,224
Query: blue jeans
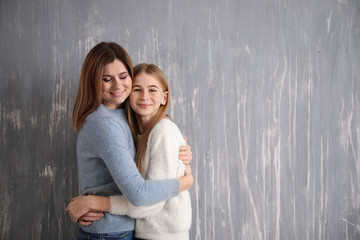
126,235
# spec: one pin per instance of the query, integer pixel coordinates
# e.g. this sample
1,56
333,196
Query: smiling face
146,96
116,84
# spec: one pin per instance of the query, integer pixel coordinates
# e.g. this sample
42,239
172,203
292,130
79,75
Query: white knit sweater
166,220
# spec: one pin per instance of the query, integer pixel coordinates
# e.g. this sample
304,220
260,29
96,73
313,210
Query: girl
157,141
105,149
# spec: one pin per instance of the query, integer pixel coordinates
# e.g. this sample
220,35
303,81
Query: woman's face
146,96
116,84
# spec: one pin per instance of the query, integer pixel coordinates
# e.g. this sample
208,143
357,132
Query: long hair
141,142
89,95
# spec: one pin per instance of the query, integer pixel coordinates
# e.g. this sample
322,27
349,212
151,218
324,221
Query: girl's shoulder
166,123
166,131
166,126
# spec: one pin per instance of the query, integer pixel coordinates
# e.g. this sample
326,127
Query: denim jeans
126,235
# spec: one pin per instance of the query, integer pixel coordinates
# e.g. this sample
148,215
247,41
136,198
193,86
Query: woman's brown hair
141,142
89,96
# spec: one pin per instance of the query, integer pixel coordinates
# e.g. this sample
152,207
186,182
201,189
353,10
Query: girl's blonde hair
141,142
89,96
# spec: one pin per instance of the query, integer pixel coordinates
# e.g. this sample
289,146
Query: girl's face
116,84
146,96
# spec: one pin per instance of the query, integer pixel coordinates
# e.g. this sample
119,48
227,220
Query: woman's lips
117,94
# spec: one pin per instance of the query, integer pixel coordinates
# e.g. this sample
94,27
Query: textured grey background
267,91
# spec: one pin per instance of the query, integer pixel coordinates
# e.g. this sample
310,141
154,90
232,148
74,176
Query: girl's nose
144,95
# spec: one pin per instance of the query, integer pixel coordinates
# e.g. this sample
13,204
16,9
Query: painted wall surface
267,92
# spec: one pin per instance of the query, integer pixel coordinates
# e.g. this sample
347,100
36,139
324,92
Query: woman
157,148
105,149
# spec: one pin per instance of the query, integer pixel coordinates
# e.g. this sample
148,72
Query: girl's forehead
145,79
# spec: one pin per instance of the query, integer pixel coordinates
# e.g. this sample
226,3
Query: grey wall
267,91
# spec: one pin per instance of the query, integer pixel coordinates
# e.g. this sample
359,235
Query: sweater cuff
118,205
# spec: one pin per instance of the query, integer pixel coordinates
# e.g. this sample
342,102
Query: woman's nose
117,83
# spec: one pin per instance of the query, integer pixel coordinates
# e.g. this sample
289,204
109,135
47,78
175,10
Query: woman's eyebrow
109,75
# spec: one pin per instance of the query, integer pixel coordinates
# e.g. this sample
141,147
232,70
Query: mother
105,148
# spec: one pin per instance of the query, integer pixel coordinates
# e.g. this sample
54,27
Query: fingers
94,214
185,154
84,223
188,170
89,219
91,216
186,161
68,210
185,157
185,148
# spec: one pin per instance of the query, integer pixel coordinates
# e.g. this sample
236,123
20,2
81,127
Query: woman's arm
114,151
164,142
87,209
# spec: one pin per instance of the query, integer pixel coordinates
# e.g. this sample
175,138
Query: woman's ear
163,102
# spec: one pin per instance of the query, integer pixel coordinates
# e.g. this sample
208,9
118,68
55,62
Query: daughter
157,140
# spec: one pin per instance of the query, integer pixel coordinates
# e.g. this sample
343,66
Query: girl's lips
144,105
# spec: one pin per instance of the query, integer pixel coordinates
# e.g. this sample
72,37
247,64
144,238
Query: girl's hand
89,217
185,154
78,207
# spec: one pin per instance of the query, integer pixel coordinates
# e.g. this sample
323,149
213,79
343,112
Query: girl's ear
163,102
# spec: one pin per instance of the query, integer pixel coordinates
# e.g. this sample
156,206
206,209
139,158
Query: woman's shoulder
104,118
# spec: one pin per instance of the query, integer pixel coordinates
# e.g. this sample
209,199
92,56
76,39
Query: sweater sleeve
164,142
119,205
114,151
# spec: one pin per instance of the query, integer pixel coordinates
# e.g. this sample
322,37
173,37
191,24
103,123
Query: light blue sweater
105,154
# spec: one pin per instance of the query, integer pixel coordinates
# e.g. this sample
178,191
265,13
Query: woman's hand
185,154
79,206
188,171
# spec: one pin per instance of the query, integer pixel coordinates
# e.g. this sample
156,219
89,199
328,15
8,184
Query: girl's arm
164,142
111,146
90,208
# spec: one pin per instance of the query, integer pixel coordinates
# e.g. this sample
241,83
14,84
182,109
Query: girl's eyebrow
146,86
